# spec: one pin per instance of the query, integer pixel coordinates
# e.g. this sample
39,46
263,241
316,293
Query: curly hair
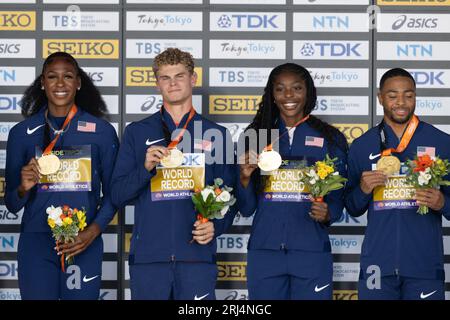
172,56
268,114
87,98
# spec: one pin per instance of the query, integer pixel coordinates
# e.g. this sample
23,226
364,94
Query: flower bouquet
322,178
213,202
427,172
65,224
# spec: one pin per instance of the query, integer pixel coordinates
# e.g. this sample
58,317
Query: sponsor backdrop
346,45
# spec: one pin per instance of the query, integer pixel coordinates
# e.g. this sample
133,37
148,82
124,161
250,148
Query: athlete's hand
154,155
432,198
248,162
319,212
203,232
82,241
29,177
372,179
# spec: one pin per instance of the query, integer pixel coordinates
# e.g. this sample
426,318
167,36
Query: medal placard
179,182
73,173
284,183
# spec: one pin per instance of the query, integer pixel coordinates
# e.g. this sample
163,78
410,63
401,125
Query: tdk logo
332,22
414,23
191,159
414,50
332,49
10,103
428,77
248,21
8,270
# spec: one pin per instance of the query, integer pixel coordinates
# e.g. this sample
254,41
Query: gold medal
269,160
173,159
49,164
390,165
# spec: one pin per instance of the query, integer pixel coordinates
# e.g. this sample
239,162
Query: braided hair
268,114
87,98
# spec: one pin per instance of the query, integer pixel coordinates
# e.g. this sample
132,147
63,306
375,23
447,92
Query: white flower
224,210
225,196
312,181
206,192
313,174
424,178
55,214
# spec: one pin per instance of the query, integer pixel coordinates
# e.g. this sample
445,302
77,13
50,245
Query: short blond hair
172,56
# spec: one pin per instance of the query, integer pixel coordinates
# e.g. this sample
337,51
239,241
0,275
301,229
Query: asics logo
148,143
316,289
202,297
89,279
424,296
373,156
31,131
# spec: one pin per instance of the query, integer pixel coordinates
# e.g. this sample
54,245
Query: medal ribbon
269,147
173,144
70,115
406,138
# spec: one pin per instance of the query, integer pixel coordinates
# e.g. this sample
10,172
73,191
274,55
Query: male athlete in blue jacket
164,262
402,253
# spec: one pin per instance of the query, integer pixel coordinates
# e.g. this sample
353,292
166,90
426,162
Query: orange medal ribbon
173,144
406,138
269,147
69,117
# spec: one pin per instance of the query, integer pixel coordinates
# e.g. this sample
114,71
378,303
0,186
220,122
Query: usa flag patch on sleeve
85,126
202,145
314,141
431,151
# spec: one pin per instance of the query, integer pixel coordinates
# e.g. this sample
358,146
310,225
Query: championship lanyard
269,147
406,137
173,144
69,117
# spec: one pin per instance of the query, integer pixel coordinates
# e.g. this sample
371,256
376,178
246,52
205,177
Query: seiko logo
17,20
94,49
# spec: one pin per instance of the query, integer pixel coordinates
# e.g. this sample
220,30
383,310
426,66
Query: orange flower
425,160
422,163
217,191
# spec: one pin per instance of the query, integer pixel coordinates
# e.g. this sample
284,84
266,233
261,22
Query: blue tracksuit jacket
28,134
163,229
287,225
399,241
